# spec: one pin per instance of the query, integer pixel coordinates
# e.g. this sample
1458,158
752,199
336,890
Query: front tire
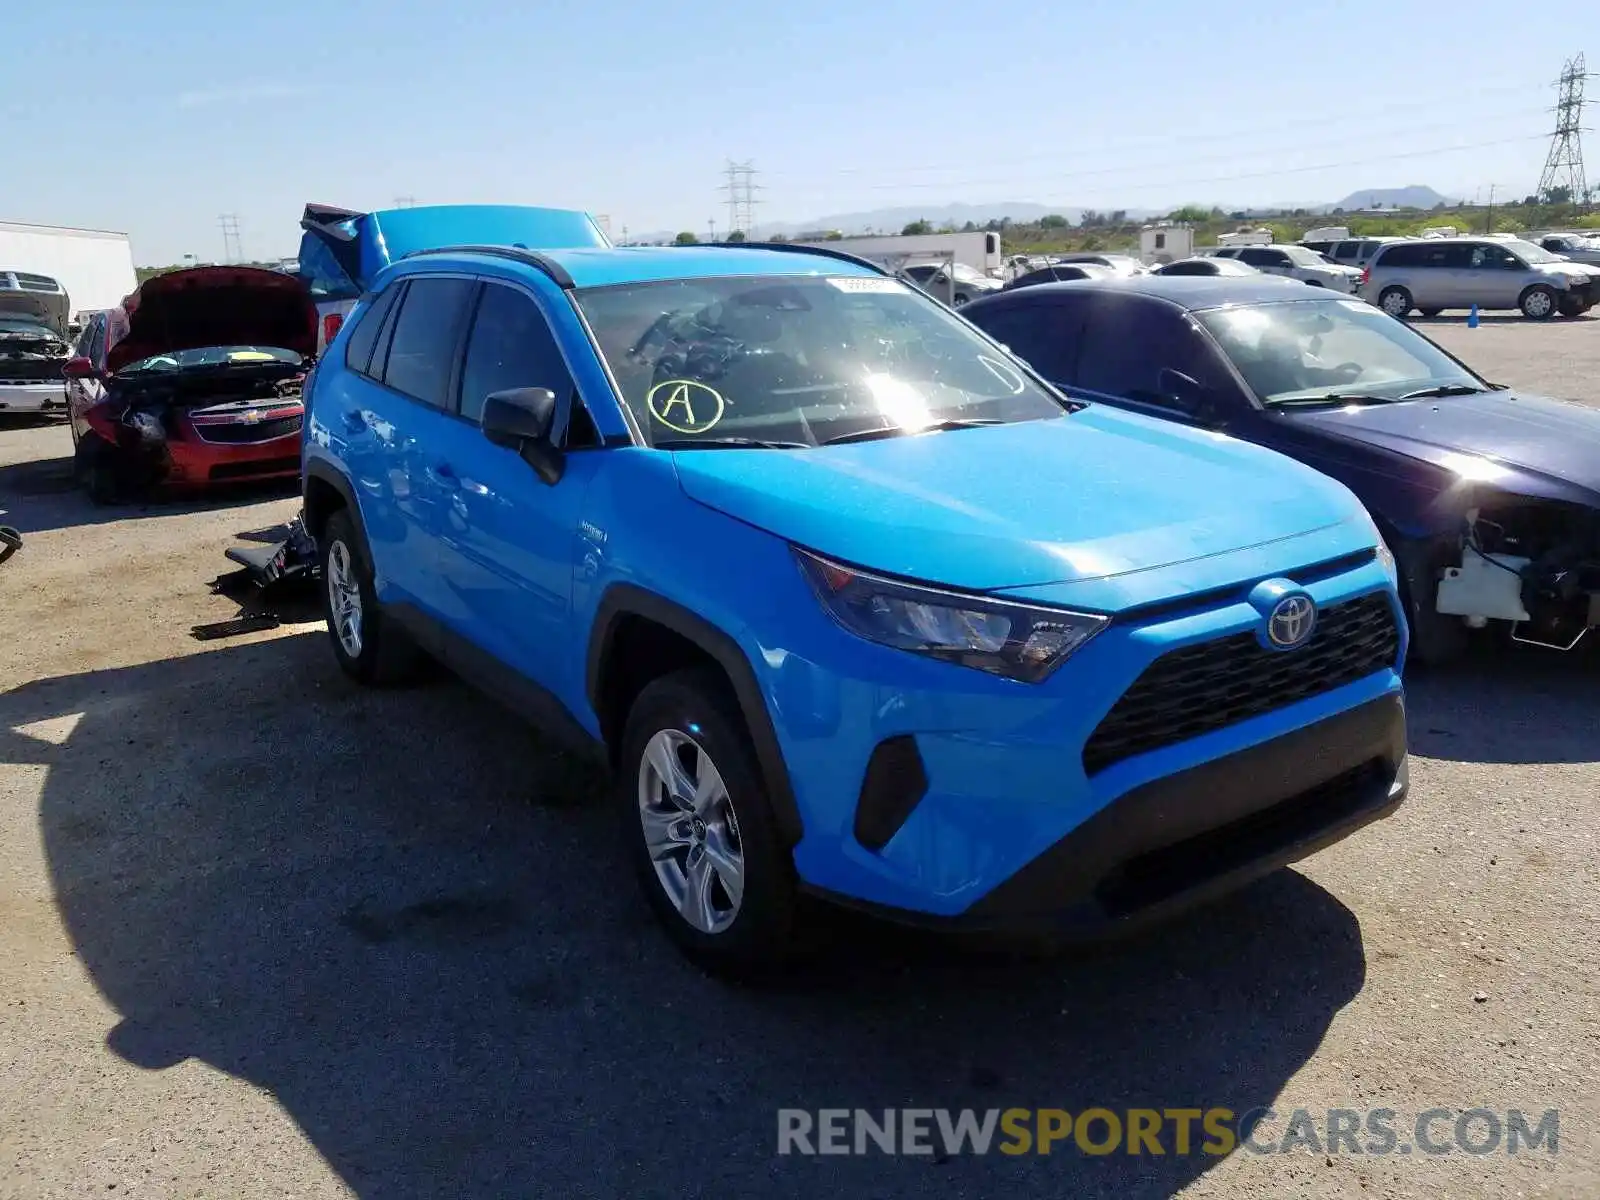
1539,303
370,648
93,464
700,829
1395,301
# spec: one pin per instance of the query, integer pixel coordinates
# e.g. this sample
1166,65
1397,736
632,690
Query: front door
507,539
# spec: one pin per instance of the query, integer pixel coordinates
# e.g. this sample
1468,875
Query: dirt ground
263,934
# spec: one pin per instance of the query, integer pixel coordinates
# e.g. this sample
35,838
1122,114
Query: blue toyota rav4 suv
852,602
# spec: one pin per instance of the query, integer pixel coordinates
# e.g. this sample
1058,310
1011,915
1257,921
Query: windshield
968,274
1303,349
799,359
1301,257
21,327
214,356
1529,253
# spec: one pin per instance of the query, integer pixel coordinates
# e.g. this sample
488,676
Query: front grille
1212,685
31,370
242,433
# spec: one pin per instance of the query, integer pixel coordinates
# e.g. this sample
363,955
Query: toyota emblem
1291,621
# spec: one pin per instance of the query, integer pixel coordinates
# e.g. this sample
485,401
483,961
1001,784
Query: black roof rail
558,273
798,248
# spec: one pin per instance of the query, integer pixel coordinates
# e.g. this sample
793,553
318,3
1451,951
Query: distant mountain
893,220
1414,196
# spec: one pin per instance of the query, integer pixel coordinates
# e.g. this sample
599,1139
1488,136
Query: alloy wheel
344,599
690,831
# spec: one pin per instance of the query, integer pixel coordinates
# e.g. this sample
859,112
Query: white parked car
1295,262
34,344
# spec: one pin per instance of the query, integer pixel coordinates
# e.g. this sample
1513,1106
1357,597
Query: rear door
388,410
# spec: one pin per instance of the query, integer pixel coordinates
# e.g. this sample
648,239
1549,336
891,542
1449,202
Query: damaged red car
204,388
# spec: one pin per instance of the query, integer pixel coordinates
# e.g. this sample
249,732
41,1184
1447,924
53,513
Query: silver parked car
1433,274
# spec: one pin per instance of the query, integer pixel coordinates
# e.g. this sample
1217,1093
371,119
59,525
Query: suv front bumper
1185,838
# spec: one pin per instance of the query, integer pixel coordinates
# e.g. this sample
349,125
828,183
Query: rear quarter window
358,349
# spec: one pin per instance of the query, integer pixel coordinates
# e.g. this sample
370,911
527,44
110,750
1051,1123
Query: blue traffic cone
1472,317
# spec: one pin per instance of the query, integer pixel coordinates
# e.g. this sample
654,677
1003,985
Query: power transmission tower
232,247
1564,166
741,188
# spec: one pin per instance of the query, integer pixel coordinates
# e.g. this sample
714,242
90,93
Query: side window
1260,258
510,346
97,339
427,334
1347,251
358,350
1047,335
1130,340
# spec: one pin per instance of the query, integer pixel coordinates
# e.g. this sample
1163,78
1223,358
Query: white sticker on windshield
857,283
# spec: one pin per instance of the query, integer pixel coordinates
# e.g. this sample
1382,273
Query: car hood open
1498,437
1094,495
50,309
218,306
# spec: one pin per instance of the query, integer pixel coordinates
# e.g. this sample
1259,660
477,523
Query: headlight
1017,641
1385,554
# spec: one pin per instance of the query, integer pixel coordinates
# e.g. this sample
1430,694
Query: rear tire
1395,301
370,647
1539,303
707,852
1430,312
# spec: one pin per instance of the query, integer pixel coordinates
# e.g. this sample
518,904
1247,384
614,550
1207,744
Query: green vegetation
1054,234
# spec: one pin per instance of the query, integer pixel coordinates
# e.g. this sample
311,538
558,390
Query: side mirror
521,419
1186,394
80,367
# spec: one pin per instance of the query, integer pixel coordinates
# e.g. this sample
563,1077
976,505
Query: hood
218,306
1540,439
1098,493
50,309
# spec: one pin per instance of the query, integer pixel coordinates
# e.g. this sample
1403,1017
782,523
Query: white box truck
93,266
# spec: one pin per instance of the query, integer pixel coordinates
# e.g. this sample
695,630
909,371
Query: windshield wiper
885,431
724,443
1444,389
1329,399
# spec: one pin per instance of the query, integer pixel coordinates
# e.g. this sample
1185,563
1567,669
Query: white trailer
1165,242
979,250
93,266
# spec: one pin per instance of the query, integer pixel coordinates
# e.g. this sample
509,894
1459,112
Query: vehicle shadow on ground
42,494
1459,317
1505,703
408,920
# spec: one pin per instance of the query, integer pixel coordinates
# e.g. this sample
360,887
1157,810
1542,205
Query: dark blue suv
851,602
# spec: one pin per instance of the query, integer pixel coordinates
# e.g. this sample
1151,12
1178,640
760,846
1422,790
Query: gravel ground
263,934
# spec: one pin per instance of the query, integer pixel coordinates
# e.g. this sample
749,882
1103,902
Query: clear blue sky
157,117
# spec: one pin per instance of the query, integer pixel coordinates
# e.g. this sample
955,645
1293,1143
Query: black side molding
516,691
623,600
